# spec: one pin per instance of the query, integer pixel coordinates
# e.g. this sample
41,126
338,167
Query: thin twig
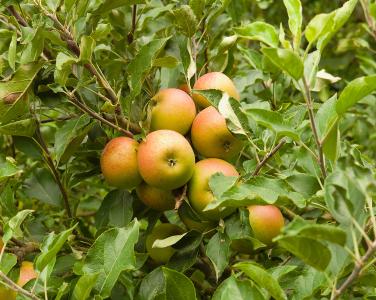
134,23
355,273
53,168
95,115
309,103
180,198
15,287
267,157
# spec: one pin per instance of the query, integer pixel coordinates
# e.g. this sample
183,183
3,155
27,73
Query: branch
53,168
134,23
267,157
16,287
355,273
180,198
73,99
314,127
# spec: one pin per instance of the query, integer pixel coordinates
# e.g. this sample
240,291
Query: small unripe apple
27,273
266,222
211,137
6,293
172,109
214,81
119,163
199,193
165,159
156,198
160,232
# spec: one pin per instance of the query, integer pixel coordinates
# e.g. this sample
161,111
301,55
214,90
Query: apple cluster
182,148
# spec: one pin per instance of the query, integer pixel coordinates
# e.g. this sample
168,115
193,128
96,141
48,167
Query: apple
156,198
172,109
199,193
214,81
160,232
6,293
211,137
27,273
165,159
266,222
119,163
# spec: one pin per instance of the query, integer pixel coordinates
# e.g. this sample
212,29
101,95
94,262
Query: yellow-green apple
165,159
211,137
160,232
266,222
27,273
199,192
156,198
6,293
119,163
214,81
172,109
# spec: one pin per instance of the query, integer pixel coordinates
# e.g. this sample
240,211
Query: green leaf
259,31
344,197
236,289
355,91
294,11
302,228
257,190
167,242
231,109
84,286
116,209
63,69
274,121
263,279
324,26
166,62
198,7
189,64
218,251
53,4
167,284
307,250
16,88
42,186
185,20
111,254
12,51
8,168
24,127
51,246
33,48
13,227
8,261
286,60
87,46
327,127
108,5
69,137
141,65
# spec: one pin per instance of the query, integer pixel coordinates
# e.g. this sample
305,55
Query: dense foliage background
78,73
